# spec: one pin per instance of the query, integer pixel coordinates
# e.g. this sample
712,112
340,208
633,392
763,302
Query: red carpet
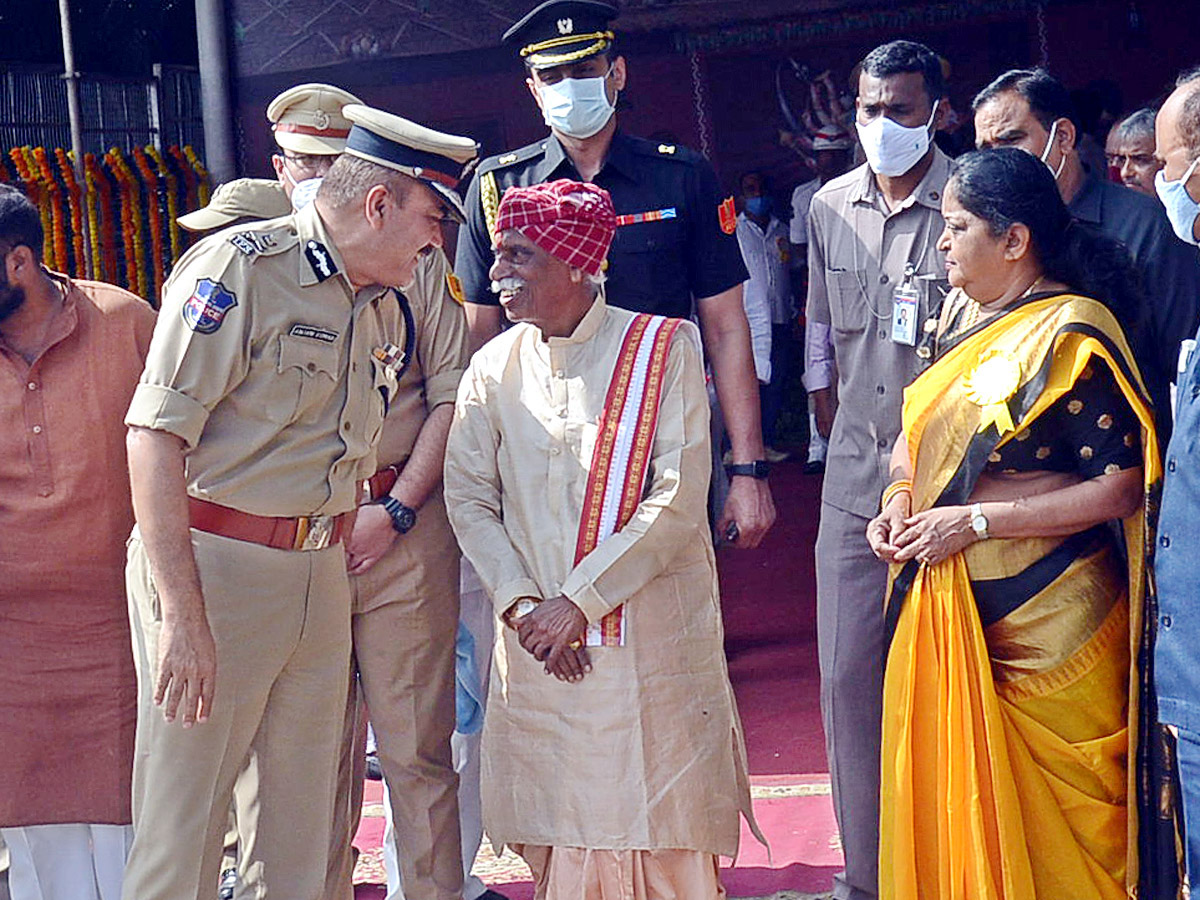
769,601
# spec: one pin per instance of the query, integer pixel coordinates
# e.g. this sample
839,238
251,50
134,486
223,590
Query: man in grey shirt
876,279
1030,109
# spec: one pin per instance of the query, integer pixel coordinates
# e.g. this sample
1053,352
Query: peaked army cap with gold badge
242,198
308,119
431,156
559,32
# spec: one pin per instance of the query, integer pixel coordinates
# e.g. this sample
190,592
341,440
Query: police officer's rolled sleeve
714,259
163,409
188,371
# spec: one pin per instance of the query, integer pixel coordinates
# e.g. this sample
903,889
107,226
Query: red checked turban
571,221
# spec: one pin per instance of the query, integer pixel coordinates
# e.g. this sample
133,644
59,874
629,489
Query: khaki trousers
281,624
403,628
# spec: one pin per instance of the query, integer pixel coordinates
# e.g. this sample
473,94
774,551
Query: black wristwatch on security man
403,517
759,469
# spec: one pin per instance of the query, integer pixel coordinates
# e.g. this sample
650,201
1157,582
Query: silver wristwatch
979,522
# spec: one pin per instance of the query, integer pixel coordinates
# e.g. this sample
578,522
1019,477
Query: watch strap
403,517
759,468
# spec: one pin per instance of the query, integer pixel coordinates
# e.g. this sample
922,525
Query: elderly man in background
576,478
1175,562
70,354
1129,151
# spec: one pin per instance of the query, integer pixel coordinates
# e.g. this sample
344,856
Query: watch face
405,518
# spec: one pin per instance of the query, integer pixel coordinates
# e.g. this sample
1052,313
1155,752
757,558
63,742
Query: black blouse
1091,430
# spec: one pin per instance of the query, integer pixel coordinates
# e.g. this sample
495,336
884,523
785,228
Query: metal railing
117,112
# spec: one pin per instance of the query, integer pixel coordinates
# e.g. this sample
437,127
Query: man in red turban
576,481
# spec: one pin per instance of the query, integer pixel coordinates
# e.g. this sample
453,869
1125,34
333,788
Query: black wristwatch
403,517
759,469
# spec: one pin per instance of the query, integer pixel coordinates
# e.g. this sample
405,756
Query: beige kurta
646,752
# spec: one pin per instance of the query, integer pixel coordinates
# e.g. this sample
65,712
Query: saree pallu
1013,675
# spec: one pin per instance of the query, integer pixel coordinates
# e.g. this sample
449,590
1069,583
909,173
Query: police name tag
905,302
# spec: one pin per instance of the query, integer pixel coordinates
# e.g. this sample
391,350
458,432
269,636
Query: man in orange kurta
70,356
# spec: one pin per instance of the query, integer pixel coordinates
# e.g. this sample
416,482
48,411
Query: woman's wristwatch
979,522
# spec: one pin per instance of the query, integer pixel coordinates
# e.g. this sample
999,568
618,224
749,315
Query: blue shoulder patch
205,310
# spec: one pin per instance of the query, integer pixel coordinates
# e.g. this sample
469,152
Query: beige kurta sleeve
195,362
673,511
442,333
471,486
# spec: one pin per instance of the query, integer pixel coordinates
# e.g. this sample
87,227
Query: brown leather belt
381,483
282,533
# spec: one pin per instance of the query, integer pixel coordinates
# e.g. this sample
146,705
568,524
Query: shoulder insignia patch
454,286
666,149
313,332
252,242
320,260
205,310
727,216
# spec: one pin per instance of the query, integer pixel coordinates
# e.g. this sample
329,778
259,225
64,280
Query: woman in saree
1012,673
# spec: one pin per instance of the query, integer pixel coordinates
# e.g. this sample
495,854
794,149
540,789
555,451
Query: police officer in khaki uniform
258,416
404,563
310,129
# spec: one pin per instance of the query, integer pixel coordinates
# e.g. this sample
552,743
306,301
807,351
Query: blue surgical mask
758,206
576,107
1182,210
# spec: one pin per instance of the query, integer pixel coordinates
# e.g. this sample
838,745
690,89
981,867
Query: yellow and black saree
1012,684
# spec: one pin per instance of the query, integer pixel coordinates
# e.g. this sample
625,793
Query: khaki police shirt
263,363
857,254
439,356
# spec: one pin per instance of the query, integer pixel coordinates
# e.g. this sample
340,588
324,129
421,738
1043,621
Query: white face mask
576,107
1046,152
1182,210
304,192
891,148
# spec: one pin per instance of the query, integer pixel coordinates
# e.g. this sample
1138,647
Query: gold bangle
899,486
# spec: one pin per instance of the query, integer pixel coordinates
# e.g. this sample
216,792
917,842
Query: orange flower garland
201,173
131,223
142,200
75,207
172,188
154,215
54,192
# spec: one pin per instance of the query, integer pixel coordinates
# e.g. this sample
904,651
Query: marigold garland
91,205
139,198
172,200
150,182
74,207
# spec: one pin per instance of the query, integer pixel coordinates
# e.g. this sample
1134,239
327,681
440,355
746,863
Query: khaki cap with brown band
308,118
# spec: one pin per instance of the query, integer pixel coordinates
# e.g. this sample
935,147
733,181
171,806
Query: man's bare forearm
483,323
423,471
156,475
727,341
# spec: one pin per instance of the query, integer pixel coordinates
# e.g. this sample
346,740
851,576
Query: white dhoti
67,862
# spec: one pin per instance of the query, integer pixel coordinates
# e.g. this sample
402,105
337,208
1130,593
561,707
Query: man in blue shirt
1176,565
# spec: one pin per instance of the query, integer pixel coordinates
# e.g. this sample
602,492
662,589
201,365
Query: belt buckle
313,532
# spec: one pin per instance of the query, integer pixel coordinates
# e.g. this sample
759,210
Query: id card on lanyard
906,305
